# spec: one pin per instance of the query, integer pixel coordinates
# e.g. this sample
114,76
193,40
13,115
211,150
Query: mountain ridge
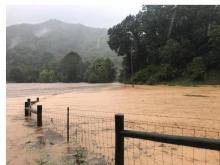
55,21
59,38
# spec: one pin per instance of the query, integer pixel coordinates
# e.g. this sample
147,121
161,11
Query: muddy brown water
192,111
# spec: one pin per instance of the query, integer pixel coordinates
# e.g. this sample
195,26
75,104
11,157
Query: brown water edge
170,105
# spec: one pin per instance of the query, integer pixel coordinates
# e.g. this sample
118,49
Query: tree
109,70
121,43
197,69
70,69
214,41
16,75
47,76
100,71
29,62
171,36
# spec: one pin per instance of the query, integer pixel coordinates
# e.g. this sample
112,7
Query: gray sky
101,15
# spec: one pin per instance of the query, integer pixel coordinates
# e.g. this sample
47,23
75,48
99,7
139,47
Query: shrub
153,74
47,76
100,71
196,69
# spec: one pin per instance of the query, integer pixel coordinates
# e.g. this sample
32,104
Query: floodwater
182,107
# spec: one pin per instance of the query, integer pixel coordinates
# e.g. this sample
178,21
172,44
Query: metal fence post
119,139
68,124
39,115
29,105
25,110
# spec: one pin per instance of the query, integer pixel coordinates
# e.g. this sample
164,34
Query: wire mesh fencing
138,151
95,131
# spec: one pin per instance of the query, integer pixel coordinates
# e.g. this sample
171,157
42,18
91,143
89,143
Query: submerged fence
28,109
110,140
121,133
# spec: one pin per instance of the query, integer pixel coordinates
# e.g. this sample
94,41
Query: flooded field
192,111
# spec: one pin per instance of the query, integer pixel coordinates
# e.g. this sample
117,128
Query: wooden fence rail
28,109
121,133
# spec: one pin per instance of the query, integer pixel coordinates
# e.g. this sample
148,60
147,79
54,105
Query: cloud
14,42
42,32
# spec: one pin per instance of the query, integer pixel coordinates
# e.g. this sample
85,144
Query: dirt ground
188,107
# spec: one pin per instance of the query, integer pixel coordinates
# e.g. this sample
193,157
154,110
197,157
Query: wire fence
147,152
95,131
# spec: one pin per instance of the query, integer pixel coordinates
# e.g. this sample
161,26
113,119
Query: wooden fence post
25,110
39,115
29,105
68,124
119,139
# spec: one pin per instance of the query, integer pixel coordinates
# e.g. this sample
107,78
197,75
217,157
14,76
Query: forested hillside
32,48
169,43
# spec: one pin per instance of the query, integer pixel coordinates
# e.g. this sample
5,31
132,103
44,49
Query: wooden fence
121,133
28,110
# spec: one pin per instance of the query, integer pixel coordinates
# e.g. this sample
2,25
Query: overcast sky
100,15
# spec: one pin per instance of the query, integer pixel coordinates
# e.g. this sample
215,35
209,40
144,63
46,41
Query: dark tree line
164,43
45,68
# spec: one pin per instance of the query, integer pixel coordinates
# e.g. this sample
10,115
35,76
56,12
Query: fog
102,15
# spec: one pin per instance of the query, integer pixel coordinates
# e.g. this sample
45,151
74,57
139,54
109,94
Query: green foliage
68,69
100,71
164,35
177,54
153,74
59,39
80,155
16,75
197,69
213,76
31,53
47,76
71,68
214,41
30,64
45,160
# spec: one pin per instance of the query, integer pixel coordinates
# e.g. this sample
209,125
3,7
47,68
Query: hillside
57,38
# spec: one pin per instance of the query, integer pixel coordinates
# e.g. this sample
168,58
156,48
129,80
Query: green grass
45,160
79,156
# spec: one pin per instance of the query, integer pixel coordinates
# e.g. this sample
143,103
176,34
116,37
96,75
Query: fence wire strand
95,131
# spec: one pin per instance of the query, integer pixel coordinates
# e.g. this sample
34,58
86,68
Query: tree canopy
71,68
100,71
185,39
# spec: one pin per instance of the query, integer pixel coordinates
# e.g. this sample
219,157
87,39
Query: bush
196,69
141,76
165,72
100,71
47,76
153,74
91,77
